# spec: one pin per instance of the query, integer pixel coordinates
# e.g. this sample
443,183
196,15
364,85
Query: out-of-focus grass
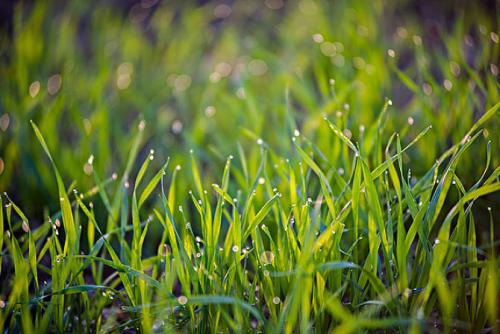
165,61
363,153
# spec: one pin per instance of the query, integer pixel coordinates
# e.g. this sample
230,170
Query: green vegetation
273,167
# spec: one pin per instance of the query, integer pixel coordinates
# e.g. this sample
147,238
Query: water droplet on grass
328,49
447,84
257,67
267,257
182,300
177,127
34,88
494,37
318,38
87,168
210,111
25,226
54,84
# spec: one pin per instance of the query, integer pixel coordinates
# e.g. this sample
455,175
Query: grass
148,189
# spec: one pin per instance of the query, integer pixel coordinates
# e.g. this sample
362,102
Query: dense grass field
249,166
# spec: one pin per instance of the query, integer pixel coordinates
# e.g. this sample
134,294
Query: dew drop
494,37
448,85
34,88
182,300
177,127
54,84
210,111
318,38
267,257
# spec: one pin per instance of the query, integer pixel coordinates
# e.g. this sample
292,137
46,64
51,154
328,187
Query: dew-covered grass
277,167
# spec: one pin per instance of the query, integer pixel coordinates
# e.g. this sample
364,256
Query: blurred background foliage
205,75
